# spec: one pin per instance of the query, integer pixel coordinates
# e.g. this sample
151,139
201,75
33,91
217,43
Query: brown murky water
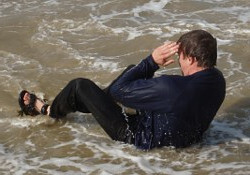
44,44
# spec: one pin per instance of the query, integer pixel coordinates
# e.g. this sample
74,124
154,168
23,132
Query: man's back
195,101
201,98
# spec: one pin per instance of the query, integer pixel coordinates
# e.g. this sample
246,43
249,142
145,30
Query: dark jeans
85,96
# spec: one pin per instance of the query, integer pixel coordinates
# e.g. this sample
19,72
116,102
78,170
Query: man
172,110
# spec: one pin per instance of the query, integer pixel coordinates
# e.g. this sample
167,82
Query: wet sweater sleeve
136,88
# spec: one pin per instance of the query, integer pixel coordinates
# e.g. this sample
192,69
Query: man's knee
78,81
82,83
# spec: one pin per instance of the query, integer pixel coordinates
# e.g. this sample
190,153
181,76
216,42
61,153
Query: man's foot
31,105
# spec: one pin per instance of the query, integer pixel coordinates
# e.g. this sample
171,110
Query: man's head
200,47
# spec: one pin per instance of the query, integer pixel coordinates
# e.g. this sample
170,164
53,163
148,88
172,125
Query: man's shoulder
212,77
207,73
173,81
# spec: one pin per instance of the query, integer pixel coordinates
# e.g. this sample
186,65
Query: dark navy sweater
174,110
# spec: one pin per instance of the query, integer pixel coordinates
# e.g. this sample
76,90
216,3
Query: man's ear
191,60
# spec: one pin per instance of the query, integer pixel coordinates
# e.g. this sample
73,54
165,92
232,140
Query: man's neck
194,70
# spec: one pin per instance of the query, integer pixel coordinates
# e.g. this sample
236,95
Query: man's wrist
152,62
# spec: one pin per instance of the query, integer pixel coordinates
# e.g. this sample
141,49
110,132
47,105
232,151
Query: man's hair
200,45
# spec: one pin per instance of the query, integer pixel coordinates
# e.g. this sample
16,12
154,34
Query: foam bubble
11,65
24,122
1,149
105,65
245,17
51,2
227,166
155,6
223,41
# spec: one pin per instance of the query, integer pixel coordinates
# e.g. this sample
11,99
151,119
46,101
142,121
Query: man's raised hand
162,54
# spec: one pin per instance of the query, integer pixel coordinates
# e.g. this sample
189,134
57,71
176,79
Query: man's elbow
114,91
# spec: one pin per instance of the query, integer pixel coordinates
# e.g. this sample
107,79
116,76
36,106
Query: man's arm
136,88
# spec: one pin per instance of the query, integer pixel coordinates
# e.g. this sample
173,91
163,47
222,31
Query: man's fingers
168,62
169,44
169,53
172,48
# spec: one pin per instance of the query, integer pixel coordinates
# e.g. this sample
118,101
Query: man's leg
69,106
85,96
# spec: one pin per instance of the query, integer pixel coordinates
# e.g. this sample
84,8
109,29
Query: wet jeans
85,96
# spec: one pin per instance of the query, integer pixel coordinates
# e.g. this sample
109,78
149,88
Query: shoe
30,108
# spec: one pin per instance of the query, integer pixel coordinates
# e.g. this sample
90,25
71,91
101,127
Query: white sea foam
148,162
24,123
51,2
228,166
105,65
49,32
155,6
29,143
245,16
2,149
12,64
223,41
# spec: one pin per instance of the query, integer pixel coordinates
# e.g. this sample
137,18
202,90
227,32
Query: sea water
45,44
